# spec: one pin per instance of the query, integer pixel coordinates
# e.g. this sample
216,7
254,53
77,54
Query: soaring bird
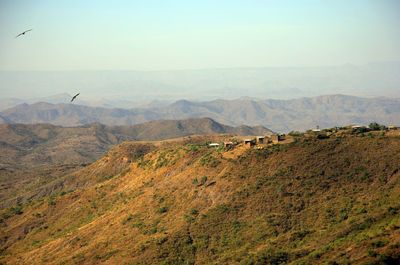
23,33
74,97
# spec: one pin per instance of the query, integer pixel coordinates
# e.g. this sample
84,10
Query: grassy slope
312,201
35,159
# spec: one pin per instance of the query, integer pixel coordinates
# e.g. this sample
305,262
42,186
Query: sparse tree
376,126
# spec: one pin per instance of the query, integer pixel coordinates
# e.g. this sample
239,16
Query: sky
180,34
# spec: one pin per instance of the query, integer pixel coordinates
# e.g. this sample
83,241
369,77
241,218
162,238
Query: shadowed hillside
4,120
333,201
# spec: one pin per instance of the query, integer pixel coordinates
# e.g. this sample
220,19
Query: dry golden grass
180,202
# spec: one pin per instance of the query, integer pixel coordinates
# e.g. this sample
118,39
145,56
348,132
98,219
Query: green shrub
127,219
106,177
189,218
322,136
209,160
361,130
16,210
163,209
392,258
376,126
361,210
203,180
236,225
162,161
51,201
145,163
372,253
194,212
393,210
161,240
106,255
272,257
295,133
379,243
193,147
299,235
200,182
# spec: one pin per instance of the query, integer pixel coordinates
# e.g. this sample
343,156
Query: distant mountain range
278,115
6,103
372,79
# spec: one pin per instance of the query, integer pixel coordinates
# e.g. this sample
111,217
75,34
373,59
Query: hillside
278,115
330,201
34,157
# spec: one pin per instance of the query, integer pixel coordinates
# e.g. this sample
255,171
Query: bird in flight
23,33
74,97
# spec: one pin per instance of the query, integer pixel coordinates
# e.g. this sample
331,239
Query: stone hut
275,138
228,145
249,142
260,139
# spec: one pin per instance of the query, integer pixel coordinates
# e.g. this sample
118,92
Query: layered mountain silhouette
278,115
372,79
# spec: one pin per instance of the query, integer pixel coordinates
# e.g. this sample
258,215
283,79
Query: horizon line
42,99
348,64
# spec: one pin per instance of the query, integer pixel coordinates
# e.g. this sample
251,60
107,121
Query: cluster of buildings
250,142
260,141
353,128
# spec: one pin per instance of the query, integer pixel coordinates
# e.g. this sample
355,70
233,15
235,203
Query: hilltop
332,200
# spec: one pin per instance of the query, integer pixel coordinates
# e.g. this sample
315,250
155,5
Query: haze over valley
117,88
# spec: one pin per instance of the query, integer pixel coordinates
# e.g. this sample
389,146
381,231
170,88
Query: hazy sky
165,34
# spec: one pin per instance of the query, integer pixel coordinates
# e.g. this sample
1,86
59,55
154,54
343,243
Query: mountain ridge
279,115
